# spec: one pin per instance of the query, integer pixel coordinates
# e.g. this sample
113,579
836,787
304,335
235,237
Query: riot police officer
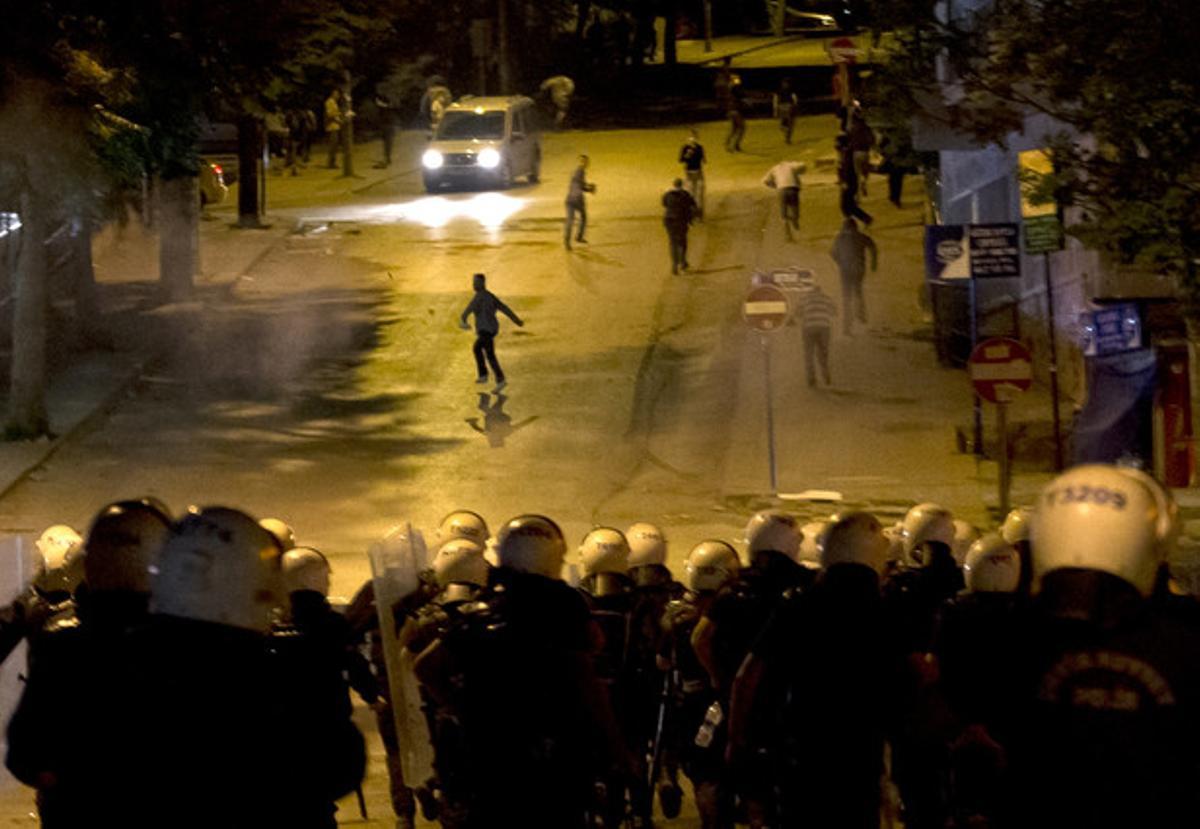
915,596
316,665
516,671
825,671
974,649
50,594
605,583
122,544
734,621
654,587
710,566
461,573
1104,724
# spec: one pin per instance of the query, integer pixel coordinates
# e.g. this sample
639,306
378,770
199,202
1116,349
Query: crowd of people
190,671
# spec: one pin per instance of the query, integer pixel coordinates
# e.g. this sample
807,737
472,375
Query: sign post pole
1053,345
1005,471
977,436
766,309
1001,369
766,351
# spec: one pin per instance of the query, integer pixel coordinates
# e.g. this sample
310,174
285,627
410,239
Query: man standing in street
737,116
484,306
576,204
692,159
862,141
850,249
848,182
817,311
678,209
786,104
333,125
785,177
387,127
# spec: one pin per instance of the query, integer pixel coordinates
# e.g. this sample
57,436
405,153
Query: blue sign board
995,250
946,255
1111,330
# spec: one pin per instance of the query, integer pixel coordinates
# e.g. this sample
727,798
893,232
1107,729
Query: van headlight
431,160
489,159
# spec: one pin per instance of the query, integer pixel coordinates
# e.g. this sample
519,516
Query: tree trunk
671,13
506,85
87,309
179,236
347,134
27,417
582,12
249,138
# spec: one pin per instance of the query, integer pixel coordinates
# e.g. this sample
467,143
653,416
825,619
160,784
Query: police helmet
218,565
532,544
122,545
463,524
710,564
992,566
647,545
1112,519
305,568
604,550
965,534
1016,525
60,568
810,544
855,538
773,531
283,532
460,561
923,523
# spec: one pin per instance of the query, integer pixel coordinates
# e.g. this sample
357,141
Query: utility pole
505,72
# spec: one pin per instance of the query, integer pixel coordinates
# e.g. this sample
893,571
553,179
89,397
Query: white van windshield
465,125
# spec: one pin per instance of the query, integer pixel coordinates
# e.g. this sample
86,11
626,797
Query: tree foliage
1120,81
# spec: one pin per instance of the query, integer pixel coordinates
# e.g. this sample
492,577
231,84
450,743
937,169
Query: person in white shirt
785,177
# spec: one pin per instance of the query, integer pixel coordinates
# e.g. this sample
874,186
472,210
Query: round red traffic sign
766,308
1000,368
843,50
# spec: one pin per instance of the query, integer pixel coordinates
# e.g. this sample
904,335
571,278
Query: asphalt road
332,387
336,391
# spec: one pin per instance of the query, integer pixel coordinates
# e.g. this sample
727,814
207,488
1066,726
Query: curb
106,404
120,388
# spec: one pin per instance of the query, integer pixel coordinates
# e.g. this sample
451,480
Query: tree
54,136
1119,83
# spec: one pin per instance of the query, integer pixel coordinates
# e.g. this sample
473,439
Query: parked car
218,144
484,141
803,23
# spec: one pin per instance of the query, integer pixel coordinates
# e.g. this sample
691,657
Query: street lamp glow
489,158
432,160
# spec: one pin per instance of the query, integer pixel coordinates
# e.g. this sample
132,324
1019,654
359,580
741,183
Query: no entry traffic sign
1000,368
766,308
843,50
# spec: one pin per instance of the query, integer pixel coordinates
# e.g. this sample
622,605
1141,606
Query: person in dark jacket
826,672
313,655
850,250
484,306
112,600
1102,728
678,209
576,202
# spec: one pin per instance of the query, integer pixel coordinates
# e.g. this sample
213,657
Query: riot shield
397,561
